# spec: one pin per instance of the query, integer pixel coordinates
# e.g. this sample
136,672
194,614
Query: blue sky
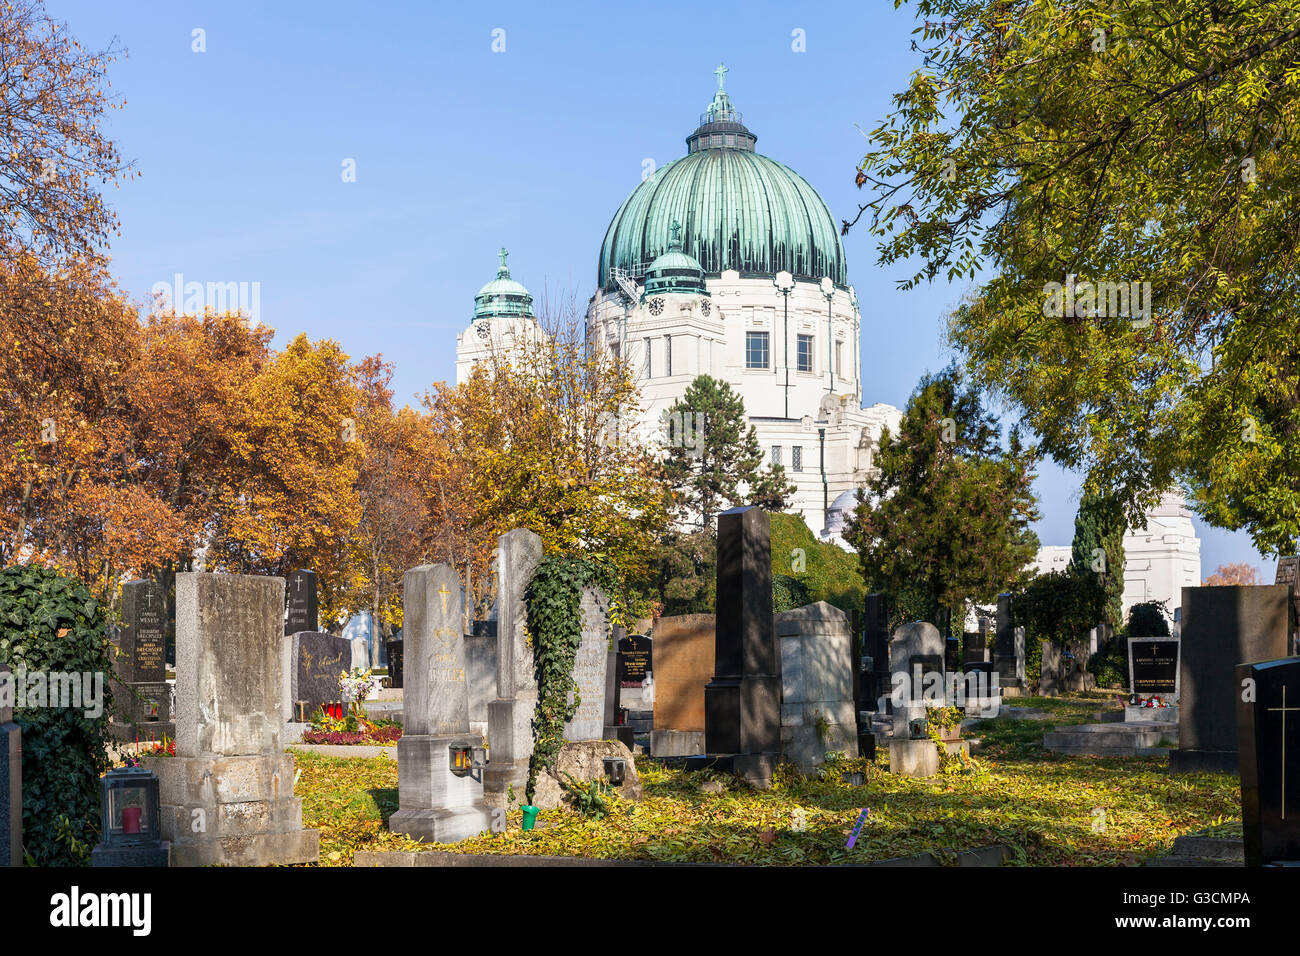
459,150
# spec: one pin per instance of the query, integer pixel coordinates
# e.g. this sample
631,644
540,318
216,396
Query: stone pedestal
920,758
131,856
232,811
436,805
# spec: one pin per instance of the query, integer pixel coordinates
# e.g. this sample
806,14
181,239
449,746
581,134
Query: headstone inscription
635,661
1153,666
227,795
143,700
11,776
1222,627
1268,734
742,703
313,663
436,803
301,594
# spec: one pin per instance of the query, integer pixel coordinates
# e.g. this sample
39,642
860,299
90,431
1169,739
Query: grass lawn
1042,807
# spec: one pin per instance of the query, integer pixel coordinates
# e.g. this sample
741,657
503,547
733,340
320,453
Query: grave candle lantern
615,770
129,807
462,758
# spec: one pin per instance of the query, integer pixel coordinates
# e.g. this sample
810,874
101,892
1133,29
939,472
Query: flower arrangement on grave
1152,702
356,687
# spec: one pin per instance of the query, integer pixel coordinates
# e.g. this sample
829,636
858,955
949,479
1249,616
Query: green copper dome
675,271
739,209
503,296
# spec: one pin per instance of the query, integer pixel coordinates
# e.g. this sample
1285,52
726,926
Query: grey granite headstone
300,589
590,669
11,776
481,666
313,662
510,715
1221,628
227,795
436,804
916,663
817,712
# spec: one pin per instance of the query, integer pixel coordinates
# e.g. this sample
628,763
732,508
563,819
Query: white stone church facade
727,263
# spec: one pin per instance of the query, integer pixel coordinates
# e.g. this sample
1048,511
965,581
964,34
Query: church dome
503,296
675,271
739,210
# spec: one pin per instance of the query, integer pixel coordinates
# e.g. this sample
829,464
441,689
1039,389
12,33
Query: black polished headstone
634,660
142,639
1268,737
742,703
1153,666
1222,627
875,646
300,592
394,649
319,660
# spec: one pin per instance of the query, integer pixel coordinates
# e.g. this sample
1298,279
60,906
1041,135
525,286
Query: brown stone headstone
684,658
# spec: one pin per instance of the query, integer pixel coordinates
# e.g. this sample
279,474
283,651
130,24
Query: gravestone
301,593
684,649
227,795
875,651
1153,666
1050,668
1288,573
817,713
481,666
1009,648
311,665
1222,627
510,714
395,673
742,703
918,681
974,650
1268,736
142,696
635,661
435,804
590,669
11,776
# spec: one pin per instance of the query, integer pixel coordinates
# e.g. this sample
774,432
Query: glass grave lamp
466,758
615,770
129,808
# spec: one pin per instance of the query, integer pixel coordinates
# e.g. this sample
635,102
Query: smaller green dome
675,271
503,296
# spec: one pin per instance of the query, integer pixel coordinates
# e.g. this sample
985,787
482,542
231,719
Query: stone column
11,776
742,704
510,716
435,804
227,795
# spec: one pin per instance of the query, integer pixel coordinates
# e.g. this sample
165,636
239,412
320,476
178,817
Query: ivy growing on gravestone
554,598
50,623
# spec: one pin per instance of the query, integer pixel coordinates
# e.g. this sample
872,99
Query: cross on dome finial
720,73
675,235
503,271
